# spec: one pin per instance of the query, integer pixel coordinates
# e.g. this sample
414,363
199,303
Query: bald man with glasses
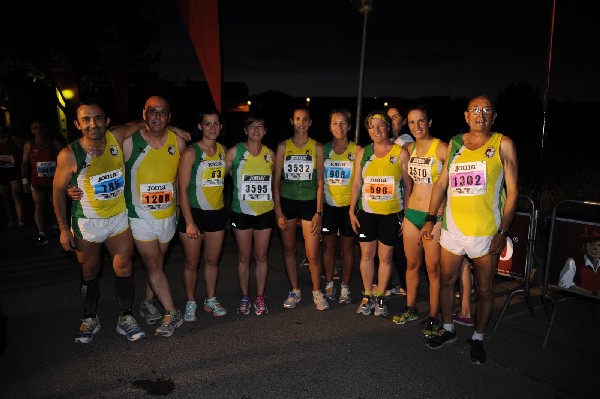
480,180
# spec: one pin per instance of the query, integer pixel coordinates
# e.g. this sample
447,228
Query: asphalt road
299,353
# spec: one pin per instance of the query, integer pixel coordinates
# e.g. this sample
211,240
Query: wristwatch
431,218
503,232
320,213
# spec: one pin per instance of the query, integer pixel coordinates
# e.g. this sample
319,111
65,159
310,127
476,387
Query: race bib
378,188
108,185
45,169
337,173
213,177
419,169
467,178
255,188
156,196
7,161
298,167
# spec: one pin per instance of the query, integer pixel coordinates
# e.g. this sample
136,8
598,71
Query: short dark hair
254,117
342,111
208,111
401,110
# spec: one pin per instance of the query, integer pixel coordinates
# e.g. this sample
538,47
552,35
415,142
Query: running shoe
190,311
320,300
408,314
465,321
367,304
42,239
244,306
432,326
330,291
87,329
381,306
170,322
126,325
293,299
398,290
260,305
345,294
149,311
477,351
212,305
440,339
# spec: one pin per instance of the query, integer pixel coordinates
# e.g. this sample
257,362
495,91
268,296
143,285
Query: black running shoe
477,351
440,339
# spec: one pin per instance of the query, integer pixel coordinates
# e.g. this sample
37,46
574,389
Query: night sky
414,48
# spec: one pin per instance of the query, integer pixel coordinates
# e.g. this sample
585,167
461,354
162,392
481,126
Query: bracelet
503,232
25,180
320,213
431,218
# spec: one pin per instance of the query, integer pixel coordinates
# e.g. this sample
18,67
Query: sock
89,292
124,292
477,336
449,327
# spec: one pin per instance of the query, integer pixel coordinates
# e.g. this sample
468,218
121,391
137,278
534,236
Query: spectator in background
10,179
581,274
37,168
466,288
398,117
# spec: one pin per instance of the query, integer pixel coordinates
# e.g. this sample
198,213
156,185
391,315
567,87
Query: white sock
477,336
449,327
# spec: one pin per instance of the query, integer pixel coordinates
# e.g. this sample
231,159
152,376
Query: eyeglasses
477,110
154,112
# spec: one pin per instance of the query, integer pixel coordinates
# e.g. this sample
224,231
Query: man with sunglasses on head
480,180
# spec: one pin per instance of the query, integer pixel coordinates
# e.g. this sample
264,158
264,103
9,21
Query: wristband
25,180
431,218
503,232
320,213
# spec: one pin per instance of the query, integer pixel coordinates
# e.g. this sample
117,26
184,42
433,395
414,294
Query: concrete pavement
299,353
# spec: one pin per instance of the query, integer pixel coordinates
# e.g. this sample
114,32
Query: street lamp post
365,7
